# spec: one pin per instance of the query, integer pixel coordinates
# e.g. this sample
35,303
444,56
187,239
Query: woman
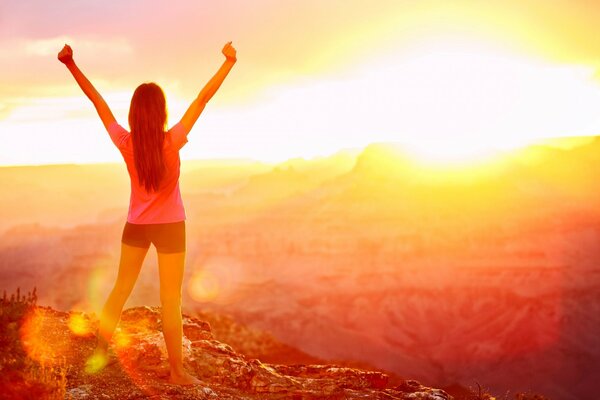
156,213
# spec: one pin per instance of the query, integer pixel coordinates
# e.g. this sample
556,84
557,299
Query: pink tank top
164,205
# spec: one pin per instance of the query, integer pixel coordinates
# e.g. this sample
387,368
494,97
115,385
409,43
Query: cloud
51,46
26,109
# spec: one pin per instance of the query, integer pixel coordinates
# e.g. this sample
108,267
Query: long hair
147,122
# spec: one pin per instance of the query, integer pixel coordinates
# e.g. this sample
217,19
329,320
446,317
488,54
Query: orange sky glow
450,81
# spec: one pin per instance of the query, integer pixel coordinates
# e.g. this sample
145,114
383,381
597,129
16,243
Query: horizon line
551,142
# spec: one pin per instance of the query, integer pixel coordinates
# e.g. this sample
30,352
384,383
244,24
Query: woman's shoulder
118,134
177,135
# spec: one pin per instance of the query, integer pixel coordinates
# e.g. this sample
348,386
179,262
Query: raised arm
66,57
195,109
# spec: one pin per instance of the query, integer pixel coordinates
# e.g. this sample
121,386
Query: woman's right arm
66,57
195,109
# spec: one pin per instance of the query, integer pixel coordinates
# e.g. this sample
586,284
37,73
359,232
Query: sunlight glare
462,101
79,324
36,344
203,286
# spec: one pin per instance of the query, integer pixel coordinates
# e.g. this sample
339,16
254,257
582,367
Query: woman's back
164,205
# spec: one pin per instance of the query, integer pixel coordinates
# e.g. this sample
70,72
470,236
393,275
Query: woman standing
156,212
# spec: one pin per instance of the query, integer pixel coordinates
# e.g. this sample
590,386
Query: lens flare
217,280
36,342
121,339
79,324
96,363
203,286
98,284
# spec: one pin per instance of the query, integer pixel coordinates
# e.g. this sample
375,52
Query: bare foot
184,379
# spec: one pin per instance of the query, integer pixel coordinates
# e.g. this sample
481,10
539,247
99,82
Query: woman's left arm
66,57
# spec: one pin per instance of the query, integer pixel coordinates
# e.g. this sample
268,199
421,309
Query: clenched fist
66,54
229,52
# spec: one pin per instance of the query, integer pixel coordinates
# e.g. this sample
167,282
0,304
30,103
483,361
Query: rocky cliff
58,344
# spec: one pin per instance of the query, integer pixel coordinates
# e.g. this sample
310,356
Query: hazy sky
448,79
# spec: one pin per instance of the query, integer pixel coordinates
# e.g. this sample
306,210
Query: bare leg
130,265
171,266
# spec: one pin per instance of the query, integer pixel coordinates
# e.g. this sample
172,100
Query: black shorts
167,238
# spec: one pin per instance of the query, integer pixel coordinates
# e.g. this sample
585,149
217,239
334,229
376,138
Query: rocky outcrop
138,365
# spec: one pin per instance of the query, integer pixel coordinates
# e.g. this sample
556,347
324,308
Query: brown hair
148,121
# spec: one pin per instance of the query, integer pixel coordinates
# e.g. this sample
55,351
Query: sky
447,80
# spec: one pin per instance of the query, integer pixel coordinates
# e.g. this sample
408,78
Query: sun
461,152
460,101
